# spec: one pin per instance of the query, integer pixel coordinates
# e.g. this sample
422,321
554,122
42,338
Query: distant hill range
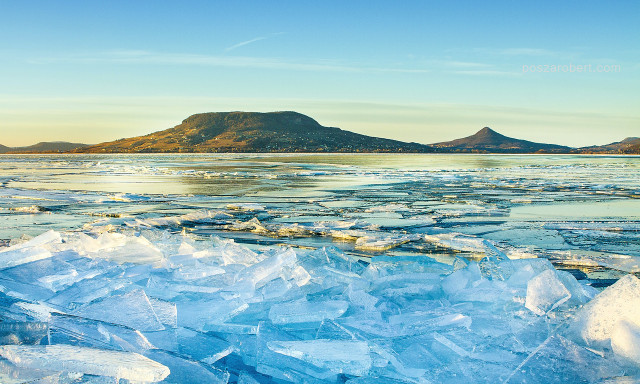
253,132
294,132
630,145
44,147
487,140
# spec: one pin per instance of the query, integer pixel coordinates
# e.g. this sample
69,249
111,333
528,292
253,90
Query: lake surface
581,212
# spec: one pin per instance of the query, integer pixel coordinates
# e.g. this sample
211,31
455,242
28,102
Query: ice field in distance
319,269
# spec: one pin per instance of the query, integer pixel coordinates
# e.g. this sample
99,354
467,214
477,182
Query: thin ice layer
122,365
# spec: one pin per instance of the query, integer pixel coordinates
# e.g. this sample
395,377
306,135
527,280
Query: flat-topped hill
254,132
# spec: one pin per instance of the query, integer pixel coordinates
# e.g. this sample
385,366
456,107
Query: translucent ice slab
121,365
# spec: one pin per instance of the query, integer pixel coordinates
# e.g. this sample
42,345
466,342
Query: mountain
487,140
295,132
630,145
253,132
46,147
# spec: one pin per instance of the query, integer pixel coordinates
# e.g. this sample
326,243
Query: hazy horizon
560,73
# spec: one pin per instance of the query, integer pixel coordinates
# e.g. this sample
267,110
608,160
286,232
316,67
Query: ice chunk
361,298
302,311
282,366
131,309
120,248
596,321
231,253
40,312
168,289
457,241
88,290
379,244
199,315
22,332
23,253
187,371
351,357
105,241
202,347
422,322
625,341
56,273
193,217
166,312
526,269
455,348
300,276
461,279
122,365
495,266
388,208
245,378
423,284
253,225
261,273
186,248
46,239
12,374
376,380
331,257
558,360
293,230
329,329
197,271
71,330
580,293
384,355
545,292
248,207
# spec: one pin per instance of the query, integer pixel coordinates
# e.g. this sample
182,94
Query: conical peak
486,131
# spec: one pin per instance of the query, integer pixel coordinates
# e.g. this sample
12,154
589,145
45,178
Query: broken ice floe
215,311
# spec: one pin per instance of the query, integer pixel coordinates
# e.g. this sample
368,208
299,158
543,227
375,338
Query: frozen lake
574,210
268,267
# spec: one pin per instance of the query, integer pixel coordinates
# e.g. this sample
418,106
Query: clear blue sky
426,71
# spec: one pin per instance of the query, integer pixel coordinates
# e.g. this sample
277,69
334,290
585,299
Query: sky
563,72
